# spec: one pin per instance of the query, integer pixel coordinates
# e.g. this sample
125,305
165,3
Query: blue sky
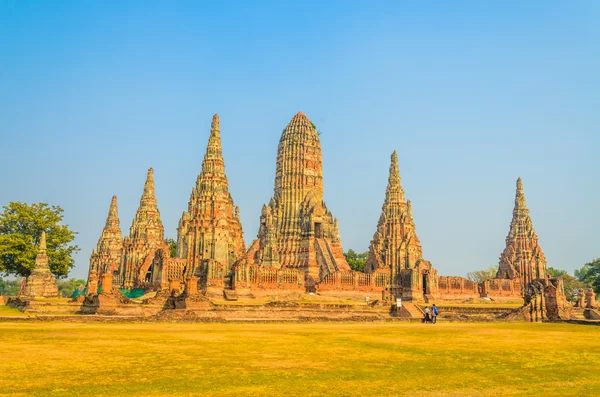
471,94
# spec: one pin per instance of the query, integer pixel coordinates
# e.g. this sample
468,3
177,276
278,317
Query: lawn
321,359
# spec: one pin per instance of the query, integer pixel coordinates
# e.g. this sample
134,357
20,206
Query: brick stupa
395,247
210,231
296,228
523,257
106,258
146,236
41,283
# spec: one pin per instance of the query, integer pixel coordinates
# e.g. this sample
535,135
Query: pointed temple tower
107,255
210,231
146,235
523,257
296,229
41,283
395,247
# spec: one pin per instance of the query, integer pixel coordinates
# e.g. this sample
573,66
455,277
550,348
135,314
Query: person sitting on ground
434,314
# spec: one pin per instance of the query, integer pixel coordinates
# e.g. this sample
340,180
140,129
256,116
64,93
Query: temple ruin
298,247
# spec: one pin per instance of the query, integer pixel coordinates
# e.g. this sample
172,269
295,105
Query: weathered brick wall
255,276
501,289
355,281
451,288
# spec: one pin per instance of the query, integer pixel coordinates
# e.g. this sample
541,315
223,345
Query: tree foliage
590,274
21,227
67,287
10,287
355,260
570,283
173,247
479,276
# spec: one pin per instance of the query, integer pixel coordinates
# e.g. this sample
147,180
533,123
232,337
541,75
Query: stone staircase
230,295
411,310
325,254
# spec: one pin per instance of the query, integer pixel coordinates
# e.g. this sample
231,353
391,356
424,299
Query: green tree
173,246
571,284
355,260
479,276
10,287
21,226
590,274
67,287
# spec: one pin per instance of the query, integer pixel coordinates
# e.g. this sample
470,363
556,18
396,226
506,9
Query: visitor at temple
426,319
434,314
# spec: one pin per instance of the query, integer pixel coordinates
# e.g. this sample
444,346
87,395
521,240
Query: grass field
322,359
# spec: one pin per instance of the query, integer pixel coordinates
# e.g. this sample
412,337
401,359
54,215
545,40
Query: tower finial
215,126
42,246
520,202
149,184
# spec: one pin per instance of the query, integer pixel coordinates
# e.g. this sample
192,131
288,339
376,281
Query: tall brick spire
212,177
523,257
297,230
394,194
146,235
147,223
395,244
211,229
107,255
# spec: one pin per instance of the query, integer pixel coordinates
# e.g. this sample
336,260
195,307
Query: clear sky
471,94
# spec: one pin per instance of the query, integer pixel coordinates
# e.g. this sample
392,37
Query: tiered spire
107,255
147,224
395,244
212,178
296,228
394,194
523,257
211,227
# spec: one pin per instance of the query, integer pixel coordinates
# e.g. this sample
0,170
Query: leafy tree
571,284
21,227
67,287
10,287
479,276
355,260
173,246
590,274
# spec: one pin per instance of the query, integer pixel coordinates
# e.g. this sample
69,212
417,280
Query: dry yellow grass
323,359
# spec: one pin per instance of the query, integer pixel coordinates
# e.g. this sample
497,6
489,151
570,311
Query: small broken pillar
590,299
106,281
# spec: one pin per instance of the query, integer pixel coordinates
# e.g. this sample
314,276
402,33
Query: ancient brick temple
298,246
41,283
146,237
106,258
522,258
395,247
209,236
297,231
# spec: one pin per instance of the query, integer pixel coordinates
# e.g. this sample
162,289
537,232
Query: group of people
430,314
